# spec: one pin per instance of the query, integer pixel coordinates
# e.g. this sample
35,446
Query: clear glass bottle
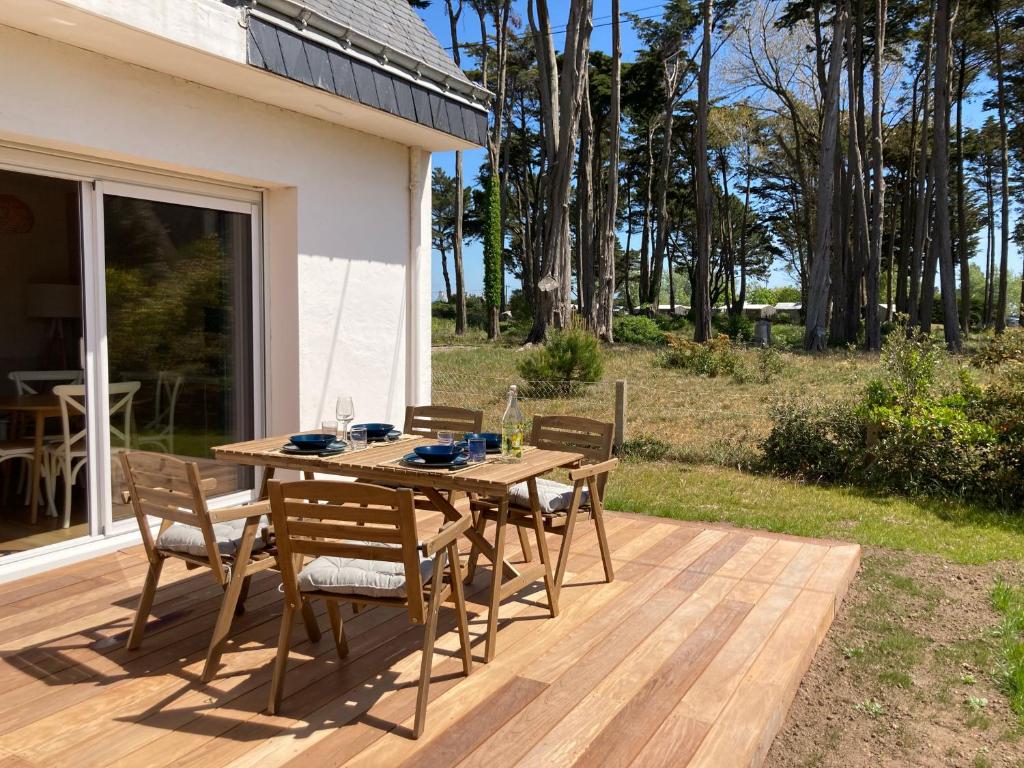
512,427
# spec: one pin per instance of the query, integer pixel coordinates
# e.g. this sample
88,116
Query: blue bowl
493,439
312,442
375,431
438,454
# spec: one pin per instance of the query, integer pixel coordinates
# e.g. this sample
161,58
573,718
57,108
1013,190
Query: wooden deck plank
691,657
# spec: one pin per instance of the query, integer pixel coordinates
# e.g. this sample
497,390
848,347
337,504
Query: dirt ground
907,674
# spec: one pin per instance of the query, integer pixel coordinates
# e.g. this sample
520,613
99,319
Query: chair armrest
449,532
256,509
590,470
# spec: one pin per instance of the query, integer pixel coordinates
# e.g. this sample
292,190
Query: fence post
620,413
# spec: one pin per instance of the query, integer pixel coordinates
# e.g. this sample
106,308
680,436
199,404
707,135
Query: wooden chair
428,420
32,382
226,541
366,548
70,454
566,503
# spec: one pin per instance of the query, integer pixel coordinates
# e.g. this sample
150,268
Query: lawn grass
960,532
1009,602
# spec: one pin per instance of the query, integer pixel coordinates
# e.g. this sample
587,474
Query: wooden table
492,479
42,407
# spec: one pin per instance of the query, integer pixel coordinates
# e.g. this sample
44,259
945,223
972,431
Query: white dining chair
33,382
17,449
158,434
71,454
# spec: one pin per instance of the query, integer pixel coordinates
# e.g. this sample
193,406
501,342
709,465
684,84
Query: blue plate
332,449
312,442
439,453
493,439
375,431
413,460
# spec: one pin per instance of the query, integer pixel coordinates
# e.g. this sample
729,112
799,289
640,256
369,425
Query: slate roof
392,22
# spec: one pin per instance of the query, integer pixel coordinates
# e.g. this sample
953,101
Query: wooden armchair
227,541
428,420
365,546
561,504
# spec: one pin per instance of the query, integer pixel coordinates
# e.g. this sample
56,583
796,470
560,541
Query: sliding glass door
180,281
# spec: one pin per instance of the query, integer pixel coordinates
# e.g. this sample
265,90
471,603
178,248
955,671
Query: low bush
1007,347
736,327
637,329
910,435
713,358
769,364
816,442
569,359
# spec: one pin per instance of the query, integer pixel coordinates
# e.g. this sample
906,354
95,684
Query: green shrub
814,442
636,329
769,364
908,435
713,358
569,358
645,448
736,327
1007,347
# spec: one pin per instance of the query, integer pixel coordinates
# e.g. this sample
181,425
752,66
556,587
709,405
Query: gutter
304,17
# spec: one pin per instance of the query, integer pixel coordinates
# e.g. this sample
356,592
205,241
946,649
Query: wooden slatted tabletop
380,462
376,463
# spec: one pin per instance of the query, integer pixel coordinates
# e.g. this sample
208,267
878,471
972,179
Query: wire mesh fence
720,431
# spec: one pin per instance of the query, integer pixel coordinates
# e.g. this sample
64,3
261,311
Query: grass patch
961,532
1009,602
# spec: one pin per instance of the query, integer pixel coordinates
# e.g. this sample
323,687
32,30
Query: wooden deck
691,657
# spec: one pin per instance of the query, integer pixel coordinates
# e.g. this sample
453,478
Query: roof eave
303,16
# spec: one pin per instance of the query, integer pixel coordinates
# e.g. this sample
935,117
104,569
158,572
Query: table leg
268,475
37,465
475,536
499,556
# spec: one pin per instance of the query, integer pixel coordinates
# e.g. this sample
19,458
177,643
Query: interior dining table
493,478
40,407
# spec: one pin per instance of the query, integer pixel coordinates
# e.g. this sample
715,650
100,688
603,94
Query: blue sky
469,31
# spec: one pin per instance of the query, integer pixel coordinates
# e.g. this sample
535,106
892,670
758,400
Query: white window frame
97,178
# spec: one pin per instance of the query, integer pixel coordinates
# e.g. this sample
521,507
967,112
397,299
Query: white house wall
337,214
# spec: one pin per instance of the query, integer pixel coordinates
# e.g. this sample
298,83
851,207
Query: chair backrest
172,491
346,519
427,420
31,382
589,437
72,404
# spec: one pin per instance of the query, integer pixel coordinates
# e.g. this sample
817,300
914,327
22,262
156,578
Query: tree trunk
818,292
922,207
605,299
585,202
702,272
553,306
444,274
961,223
940,163
871,322
1004,180
454,12
644,287
859,209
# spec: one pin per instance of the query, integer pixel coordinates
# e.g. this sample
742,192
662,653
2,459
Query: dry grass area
715,420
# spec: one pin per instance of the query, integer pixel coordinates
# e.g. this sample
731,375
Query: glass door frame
96,356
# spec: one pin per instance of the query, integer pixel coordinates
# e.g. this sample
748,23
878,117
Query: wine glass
345,411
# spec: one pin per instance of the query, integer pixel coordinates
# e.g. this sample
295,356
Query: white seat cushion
188,539
554,497
352,576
